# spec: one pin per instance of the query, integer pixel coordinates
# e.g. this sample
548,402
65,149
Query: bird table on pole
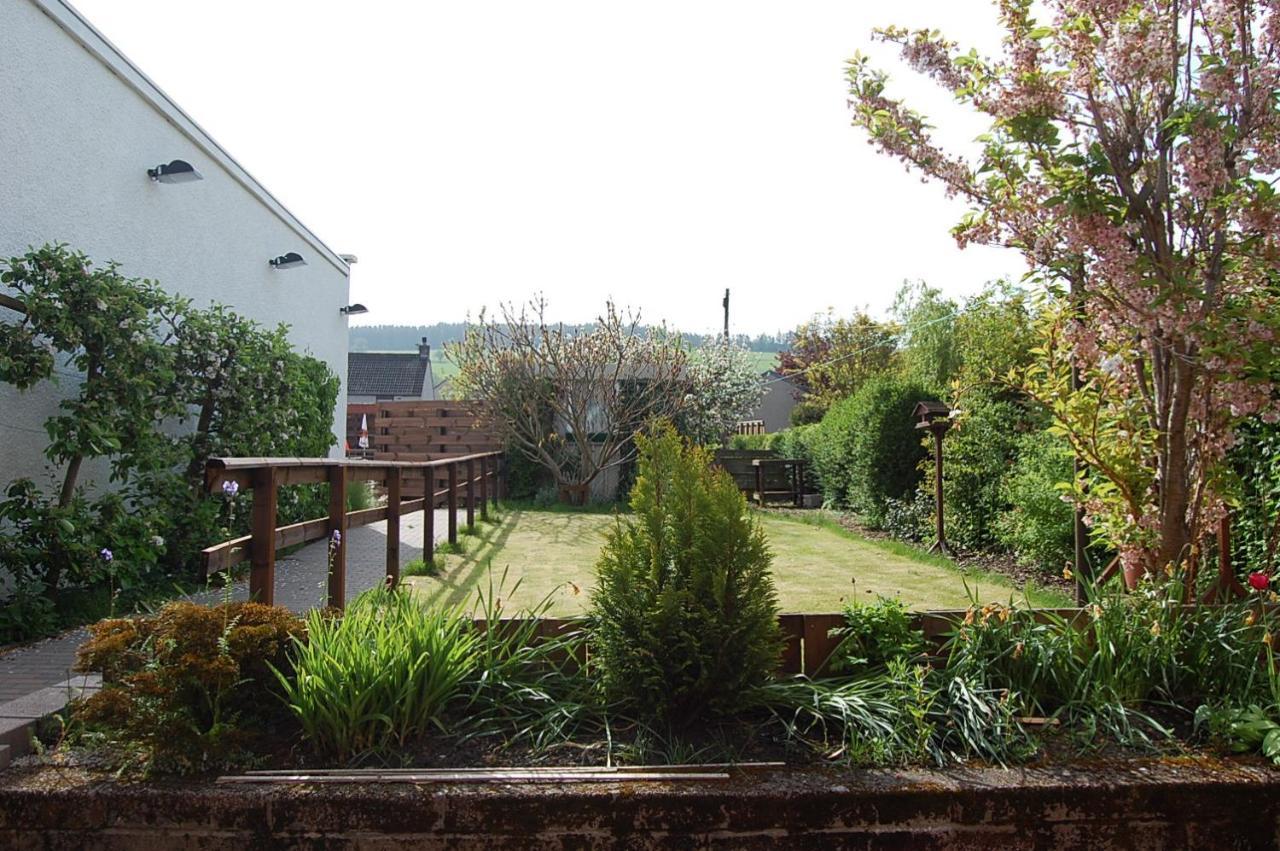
936,417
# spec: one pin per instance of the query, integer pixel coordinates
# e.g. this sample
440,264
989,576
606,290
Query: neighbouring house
780,397
390,376
83,136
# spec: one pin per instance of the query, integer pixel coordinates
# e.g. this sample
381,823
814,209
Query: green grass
818,566
763,361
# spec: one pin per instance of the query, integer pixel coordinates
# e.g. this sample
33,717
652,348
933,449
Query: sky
655,153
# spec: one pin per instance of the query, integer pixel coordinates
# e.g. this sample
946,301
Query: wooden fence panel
419,430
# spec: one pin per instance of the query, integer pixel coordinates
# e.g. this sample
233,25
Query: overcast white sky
656,152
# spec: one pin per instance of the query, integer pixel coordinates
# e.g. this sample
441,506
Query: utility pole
726,314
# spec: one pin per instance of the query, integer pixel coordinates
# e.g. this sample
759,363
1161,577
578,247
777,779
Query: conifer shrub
685,611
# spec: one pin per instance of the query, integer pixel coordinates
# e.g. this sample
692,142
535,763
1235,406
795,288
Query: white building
81,127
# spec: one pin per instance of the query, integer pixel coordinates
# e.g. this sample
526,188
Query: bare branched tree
571,398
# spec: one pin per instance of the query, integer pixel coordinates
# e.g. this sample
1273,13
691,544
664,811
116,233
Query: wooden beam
471,494
262,576
338,541
393,527
453,503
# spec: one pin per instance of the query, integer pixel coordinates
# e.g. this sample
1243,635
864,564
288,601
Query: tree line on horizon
386,338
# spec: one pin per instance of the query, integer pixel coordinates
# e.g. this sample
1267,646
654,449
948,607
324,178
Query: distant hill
405,338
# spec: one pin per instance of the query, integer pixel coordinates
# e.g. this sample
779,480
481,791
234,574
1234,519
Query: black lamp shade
292,260
178,171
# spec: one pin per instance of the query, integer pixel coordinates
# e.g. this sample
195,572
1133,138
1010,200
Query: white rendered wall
79,129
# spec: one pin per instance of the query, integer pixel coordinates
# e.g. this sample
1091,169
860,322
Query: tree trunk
1175,490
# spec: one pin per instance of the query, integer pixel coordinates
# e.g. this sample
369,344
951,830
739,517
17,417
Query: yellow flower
1066,572
1097,610
1266,639
1155,629
1004,615
1017,650
968,617
1250,618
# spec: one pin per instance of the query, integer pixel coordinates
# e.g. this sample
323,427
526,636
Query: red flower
1259,581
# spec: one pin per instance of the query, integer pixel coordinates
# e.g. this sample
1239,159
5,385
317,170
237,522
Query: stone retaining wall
1132,804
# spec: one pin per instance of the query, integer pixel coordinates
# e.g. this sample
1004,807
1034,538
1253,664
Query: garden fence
263,477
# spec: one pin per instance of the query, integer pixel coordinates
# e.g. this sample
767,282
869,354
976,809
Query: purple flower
230,487
337,538
106,554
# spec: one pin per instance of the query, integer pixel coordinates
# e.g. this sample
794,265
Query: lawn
817,567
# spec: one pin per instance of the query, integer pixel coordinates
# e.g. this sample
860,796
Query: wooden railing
263,477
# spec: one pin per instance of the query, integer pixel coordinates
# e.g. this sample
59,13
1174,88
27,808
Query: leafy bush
876,634
189,688
1255,467
1038,524
910,519
684,607
379,676
109,541
149,360
977,453
867,450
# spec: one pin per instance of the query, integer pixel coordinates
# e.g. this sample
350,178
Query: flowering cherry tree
1132,156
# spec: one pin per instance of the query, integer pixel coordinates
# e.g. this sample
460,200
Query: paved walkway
301,582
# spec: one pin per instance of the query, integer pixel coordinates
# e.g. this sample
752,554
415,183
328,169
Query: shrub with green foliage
978,452
867,450
874,635
190,688
1255,469
684,606
1037,526
149,360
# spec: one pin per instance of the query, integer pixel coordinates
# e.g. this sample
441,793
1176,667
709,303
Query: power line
24,428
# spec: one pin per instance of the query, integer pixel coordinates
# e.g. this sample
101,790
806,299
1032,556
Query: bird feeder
936,418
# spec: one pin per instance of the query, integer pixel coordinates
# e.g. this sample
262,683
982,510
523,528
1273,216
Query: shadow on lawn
459,583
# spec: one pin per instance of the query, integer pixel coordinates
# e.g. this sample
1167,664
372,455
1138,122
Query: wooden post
262,573
393,527
337,542
428,514
471,493
940,545
795,483
453,503
496,461
759,483
484,488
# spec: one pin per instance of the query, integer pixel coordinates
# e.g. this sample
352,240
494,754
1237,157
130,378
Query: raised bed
1139,804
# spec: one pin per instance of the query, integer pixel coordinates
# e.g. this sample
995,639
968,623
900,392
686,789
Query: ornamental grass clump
189,688
685,612
380,676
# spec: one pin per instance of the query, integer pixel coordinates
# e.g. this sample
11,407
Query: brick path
301,580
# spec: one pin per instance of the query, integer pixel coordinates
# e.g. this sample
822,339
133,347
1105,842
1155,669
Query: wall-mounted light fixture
353,309
349,259
292,260
178,171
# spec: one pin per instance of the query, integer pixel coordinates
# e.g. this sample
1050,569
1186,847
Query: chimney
424,349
